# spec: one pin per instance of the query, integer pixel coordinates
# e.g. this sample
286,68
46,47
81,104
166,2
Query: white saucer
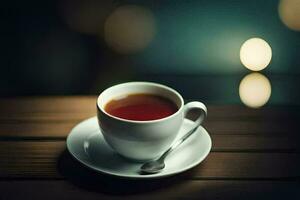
86,143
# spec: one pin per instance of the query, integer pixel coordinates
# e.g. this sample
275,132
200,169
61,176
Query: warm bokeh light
86,16
255,54
255,90
289,13
129,29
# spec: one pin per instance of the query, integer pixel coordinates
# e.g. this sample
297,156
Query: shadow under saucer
91,180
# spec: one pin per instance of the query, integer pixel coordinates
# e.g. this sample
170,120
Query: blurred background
79,47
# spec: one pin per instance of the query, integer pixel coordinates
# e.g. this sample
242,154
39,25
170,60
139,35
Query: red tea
141,107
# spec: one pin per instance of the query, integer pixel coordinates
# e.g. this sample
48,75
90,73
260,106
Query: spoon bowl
156,166
153,167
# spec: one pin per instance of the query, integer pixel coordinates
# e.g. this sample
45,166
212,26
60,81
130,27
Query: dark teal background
205,37
195,50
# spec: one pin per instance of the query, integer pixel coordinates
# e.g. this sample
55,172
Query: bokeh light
289,13
255,54
129,29
255,90
86,16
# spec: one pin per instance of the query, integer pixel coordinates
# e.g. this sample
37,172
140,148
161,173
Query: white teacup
143,140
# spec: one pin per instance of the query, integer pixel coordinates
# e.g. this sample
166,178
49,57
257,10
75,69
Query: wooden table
255,154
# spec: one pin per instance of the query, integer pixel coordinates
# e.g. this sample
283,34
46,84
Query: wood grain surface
172,189
255,154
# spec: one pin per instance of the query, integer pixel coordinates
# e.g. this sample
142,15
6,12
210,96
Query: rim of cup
101,108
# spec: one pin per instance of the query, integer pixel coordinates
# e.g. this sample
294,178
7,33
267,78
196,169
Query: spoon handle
178,142
187,107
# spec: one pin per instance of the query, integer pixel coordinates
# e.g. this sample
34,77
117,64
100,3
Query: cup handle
196,105
187,107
